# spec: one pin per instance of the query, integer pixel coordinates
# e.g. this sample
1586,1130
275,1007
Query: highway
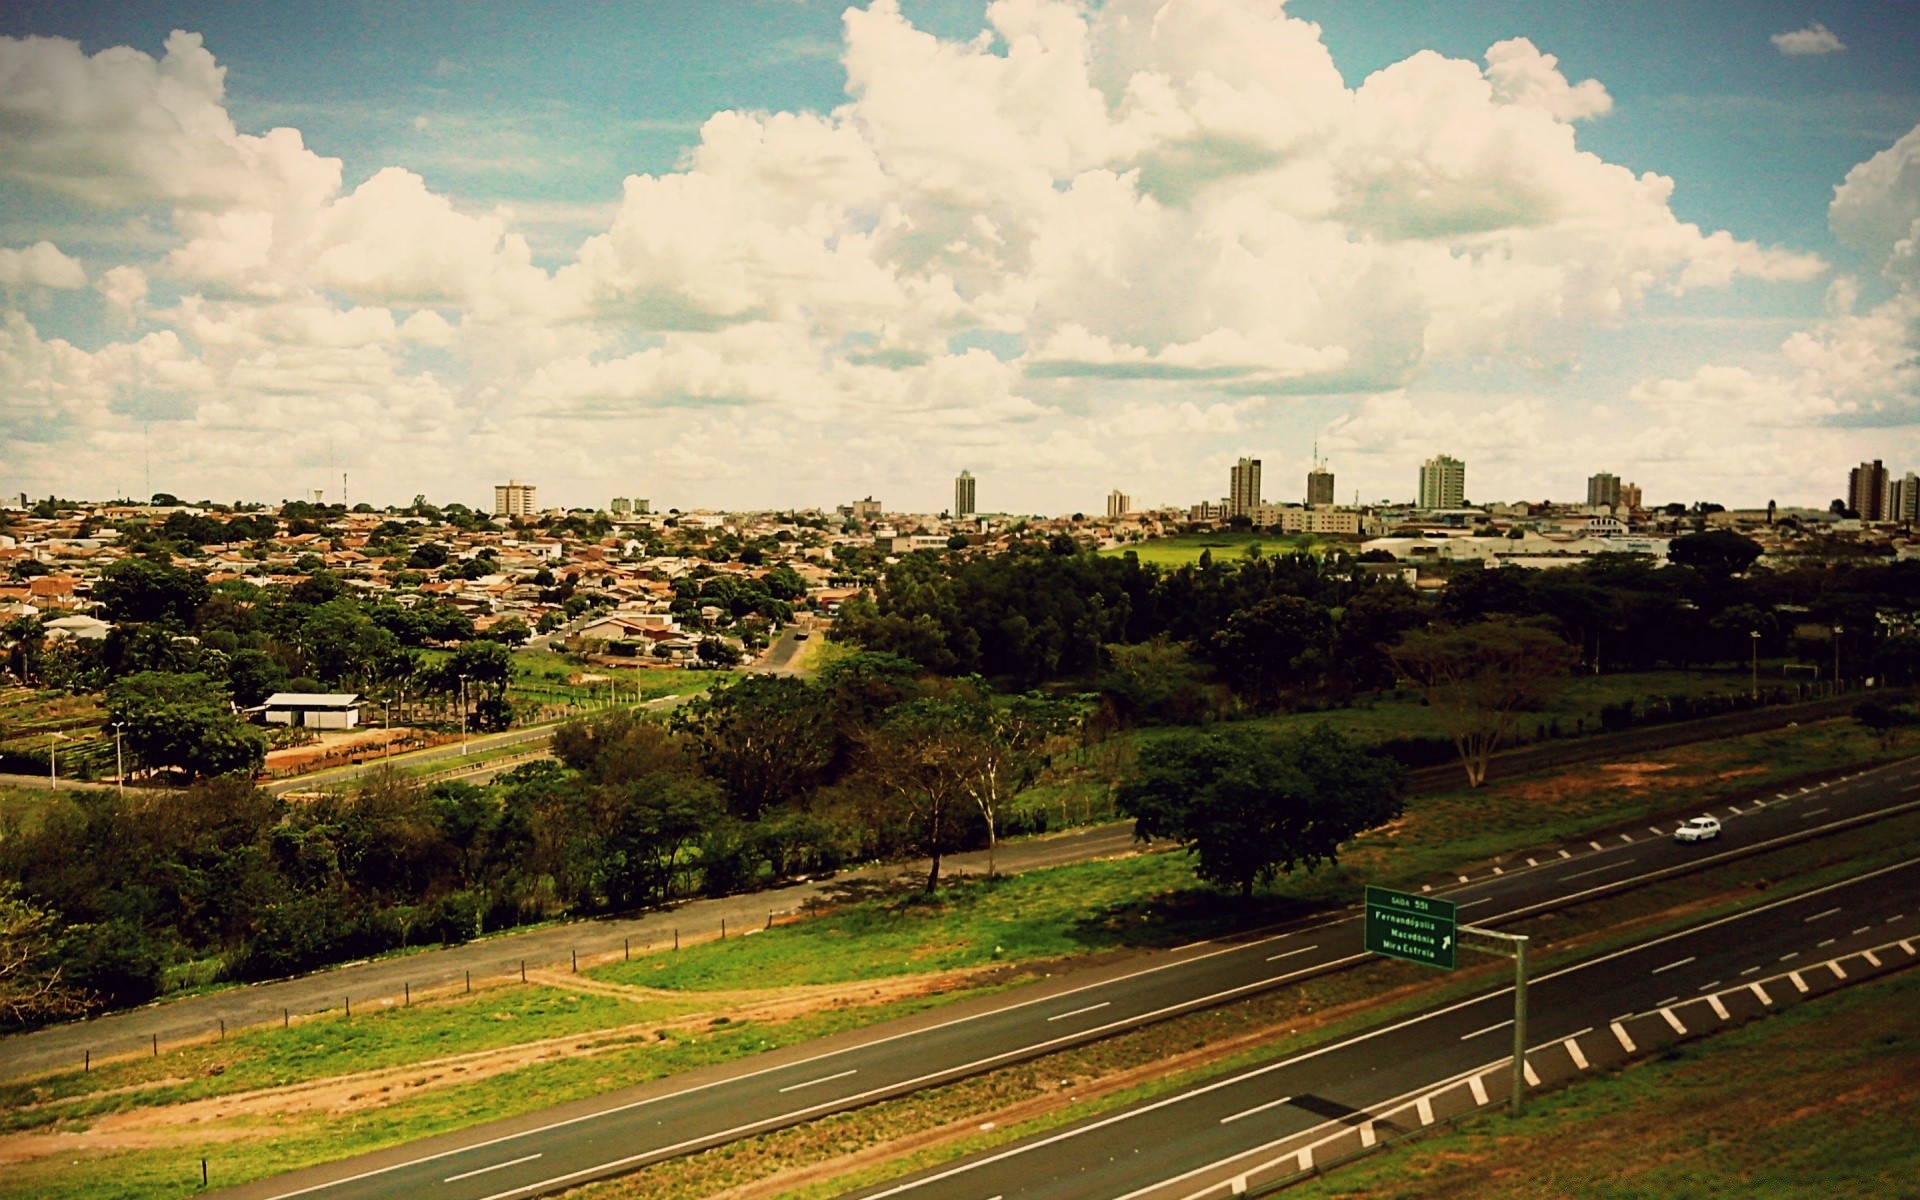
624,1130
1203,1141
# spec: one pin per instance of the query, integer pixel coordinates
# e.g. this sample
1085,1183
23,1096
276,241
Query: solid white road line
1489,1029
1596,870
1680,963
495,1167
794,1087
1258,1108
1105,1003
1276,957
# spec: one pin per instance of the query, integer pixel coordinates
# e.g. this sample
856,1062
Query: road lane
723,1104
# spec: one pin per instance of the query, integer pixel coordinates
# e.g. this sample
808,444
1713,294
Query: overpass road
621,1131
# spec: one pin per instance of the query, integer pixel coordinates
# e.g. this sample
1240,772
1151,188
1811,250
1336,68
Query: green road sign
1417,928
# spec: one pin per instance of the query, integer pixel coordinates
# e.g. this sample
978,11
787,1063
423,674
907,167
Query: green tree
139,589
767,741
1479,678
184,723
1251,805
31,988
1719,553
1275,645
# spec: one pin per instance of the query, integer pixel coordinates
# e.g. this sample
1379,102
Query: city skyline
753,256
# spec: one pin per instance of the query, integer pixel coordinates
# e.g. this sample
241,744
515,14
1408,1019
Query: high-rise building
1903,499
1603,490
864,510
1630,496
1867,491
642,508
514,499
1119,504
963,502
1319,485
1443,482
621,507
1243,488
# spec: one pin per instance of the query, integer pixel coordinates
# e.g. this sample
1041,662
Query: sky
785,253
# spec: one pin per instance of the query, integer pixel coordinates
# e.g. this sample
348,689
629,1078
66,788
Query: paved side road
491,958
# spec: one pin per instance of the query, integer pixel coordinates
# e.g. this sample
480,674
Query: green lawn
1185,549
1784,1108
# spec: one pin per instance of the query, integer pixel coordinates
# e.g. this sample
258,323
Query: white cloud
125,290
119,128
1814,39
40,265
1160,214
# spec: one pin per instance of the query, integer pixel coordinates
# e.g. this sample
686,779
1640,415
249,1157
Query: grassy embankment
142,1137
1816,1103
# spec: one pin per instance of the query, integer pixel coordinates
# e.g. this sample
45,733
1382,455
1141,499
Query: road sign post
1426,930
1514,946
1414,928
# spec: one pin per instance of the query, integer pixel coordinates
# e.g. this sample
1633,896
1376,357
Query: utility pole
119,769
53,759
1837,631
1754,634
463,716
1514,946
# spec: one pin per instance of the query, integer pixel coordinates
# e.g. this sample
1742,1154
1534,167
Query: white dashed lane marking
1680,963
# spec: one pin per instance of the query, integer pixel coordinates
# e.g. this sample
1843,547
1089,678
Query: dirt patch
266,1111
1641,776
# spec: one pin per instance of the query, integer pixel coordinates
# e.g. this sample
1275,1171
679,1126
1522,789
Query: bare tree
30,989
919,759
1479,678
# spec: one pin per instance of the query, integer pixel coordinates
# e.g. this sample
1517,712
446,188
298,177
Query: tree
1280,642
1478,678
186,723
31,988
1719,553
138,589
1251,805
767,741
918,759
718,652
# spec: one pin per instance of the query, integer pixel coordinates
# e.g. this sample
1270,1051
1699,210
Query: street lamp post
1755,635
463,716
119,766
53,759
1837,631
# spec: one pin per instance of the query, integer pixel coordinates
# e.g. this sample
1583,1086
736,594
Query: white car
1697,829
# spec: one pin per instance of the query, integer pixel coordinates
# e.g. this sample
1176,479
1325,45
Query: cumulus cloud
1173,205
1854,371
40,265
1814,39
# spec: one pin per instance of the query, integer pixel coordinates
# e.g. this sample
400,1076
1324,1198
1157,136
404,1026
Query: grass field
1402,713
1185,549
1818,1102
30,718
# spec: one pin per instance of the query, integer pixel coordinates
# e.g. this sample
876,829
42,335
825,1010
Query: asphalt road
1205,1140
546,1152
387,980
